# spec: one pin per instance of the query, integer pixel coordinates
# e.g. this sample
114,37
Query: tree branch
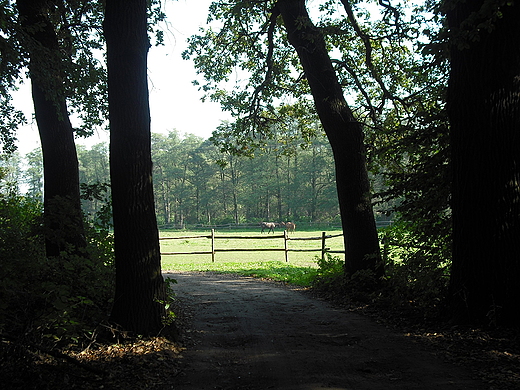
368,48
255,102
359,85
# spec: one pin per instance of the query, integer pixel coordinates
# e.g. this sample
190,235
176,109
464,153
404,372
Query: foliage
413,279
9,173
101,218
417,246
78,31
84,79
33,174
329,266
371,49
49,301
195,183
362,286
410,153
10,118
169,285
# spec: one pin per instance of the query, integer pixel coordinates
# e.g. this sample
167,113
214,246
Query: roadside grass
299,270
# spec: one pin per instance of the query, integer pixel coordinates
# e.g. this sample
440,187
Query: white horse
268,225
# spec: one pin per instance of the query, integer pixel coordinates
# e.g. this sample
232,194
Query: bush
330,276
416,277
417,271
49,301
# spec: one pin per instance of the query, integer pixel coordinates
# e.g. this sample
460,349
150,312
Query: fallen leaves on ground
493,355
151,363
154,363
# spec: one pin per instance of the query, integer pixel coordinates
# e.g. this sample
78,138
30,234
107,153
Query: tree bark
64,228
484,111
140,288
345,135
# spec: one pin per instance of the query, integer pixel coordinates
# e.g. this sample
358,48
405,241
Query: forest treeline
197,184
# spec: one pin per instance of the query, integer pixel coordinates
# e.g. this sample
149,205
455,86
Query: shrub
49,300
417,270
330,276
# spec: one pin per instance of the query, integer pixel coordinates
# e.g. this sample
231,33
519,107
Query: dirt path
250,334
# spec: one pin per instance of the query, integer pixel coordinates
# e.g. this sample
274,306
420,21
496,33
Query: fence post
322,246
285,246
212,245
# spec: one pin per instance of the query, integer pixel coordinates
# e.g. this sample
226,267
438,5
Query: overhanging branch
254,107
368,53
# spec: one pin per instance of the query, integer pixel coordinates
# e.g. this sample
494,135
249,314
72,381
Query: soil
246,333
240,333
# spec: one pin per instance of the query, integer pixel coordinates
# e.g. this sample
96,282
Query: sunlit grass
299,270
275,270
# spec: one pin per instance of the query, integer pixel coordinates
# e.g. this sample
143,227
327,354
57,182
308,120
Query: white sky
174,101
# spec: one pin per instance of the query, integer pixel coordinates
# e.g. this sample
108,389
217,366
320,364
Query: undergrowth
49,302
420,294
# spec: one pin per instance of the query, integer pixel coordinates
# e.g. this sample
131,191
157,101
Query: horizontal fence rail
283,236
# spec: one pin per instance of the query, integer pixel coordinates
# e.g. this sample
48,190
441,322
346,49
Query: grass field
298,270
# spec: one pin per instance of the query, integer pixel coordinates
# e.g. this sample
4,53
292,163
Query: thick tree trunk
484,111
345,135
139,282
64,228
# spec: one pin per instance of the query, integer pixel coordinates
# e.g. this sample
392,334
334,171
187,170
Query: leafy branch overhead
247,64
77,25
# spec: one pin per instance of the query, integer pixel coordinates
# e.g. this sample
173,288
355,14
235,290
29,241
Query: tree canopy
246,62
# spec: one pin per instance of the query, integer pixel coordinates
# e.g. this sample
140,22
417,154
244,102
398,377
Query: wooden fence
285,248
235,226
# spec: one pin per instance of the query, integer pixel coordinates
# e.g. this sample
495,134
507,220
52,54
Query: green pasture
301,266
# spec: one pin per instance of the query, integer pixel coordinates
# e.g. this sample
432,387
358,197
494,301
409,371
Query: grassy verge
275,270
299,270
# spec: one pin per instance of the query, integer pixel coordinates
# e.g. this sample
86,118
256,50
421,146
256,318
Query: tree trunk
64,228
139,283
345,135
484,111
278,189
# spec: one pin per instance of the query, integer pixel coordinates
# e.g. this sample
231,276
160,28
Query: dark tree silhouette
484,111
139,283
62,205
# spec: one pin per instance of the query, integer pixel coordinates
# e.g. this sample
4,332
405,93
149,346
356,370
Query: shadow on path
251,334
